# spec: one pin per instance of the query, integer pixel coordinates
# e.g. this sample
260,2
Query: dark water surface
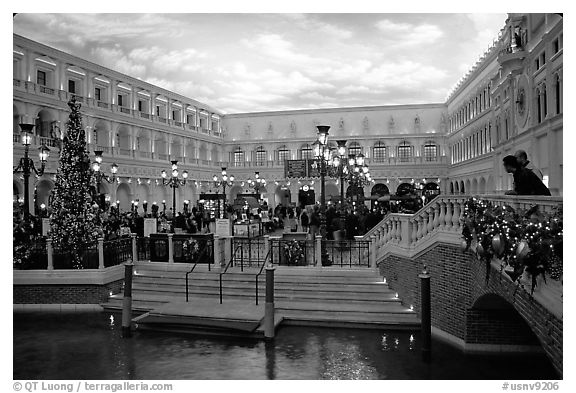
89,346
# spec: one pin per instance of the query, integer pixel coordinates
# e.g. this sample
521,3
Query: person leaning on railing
526,182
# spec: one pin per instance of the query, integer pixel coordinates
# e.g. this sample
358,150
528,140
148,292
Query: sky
264,62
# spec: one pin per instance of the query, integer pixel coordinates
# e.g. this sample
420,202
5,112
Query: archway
101,136
451,188
467,187
474,186
482,186
405,189
379,190
430,191
355,193
306,196
332,192
282,195
498,318
124,196
44,123
43,190
490,185
462,190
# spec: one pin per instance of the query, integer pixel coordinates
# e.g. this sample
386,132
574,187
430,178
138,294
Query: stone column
100,253
170,249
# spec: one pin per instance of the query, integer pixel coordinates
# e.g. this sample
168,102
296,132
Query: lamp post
339,163
357,172
99,175
323,157
223,181
174,182
26,165
258,183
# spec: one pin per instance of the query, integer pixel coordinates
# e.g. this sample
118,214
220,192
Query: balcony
50,142
45,90
125,110
145,154
205,131
101,104
105,149
125,152
144,115
177,123
162,120
162,156
17,82
192,127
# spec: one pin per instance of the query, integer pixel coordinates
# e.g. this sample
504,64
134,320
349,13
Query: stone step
146,303
292,279
369,287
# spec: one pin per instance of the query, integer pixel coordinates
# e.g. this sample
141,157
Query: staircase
333,297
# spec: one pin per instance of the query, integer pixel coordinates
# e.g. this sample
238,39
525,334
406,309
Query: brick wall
457,281
64,294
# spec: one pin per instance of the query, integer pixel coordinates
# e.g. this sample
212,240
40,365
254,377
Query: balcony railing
205,162
145,154
105,149
125,152
50,142
45,90
63,95
162,156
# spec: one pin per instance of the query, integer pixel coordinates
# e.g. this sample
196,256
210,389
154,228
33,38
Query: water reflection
89,346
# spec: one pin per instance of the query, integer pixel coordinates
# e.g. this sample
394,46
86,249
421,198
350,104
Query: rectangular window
173,115
537,63
139,106
41,78
238,157
404,153
260,155
379,154
98,94
189,119
543,58
120,100
158,110
306,154
430,152
283,155
71,86
556,46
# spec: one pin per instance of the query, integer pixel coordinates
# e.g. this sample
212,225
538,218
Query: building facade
510,100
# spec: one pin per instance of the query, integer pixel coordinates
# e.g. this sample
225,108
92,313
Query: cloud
407,34
116,59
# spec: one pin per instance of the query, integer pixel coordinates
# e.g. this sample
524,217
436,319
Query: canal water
89,346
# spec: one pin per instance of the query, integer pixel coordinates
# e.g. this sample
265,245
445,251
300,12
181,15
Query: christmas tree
73,222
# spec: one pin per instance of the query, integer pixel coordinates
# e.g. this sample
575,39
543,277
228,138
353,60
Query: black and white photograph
254,195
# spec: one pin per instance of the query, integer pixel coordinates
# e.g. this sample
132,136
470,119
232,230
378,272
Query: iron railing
194,267
143,248
348,252
230,263
249,251
117,251
37,257
64,259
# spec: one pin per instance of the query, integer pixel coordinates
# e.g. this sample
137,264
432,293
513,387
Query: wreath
293,252
190,250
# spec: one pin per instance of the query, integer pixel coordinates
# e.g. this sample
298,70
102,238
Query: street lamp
99,175
174,182
258,183
223,181
323,157
339,164
26,165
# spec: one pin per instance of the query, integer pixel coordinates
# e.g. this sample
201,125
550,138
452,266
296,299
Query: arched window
539,105
379,152
282,153
430,151
306,152
558,93
354,148
545,101
260,155
405,151
238,156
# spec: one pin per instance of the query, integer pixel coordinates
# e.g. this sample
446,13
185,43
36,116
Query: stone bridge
474,312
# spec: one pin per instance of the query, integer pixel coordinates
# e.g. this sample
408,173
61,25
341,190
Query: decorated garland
525,240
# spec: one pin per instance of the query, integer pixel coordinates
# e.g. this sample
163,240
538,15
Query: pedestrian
304,221
315,222
522,159
525,181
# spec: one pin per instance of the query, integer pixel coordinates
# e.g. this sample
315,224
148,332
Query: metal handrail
230,263
260,272
194,267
